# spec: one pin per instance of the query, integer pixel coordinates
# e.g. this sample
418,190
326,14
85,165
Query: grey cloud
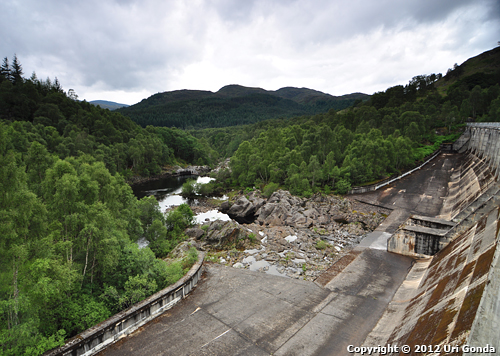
145,44
111,42
335,21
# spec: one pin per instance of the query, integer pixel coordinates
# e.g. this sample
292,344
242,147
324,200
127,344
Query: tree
314,170
412,131
17,71
5,73
476,100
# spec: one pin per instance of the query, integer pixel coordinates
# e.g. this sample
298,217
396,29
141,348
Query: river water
167,191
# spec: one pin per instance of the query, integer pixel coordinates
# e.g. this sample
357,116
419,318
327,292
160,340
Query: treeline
222,111
69,127
365,143
69,220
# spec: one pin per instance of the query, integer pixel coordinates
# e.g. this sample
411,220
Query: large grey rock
256,200
241,208
193,170
224,207
195,232
221,233
180,250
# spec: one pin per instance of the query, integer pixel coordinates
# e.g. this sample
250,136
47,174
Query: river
167,191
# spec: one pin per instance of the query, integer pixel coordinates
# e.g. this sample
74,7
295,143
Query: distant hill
232,105
483,70
111,105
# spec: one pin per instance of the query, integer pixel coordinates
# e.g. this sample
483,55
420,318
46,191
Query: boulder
221,233
195,232
180,251
241,208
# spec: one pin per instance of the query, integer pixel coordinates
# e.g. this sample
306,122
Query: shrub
270,189
190,259
206,189
252,237
343,186
189,188
321,245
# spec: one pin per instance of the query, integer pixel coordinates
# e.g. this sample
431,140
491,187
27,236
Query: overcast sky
127,50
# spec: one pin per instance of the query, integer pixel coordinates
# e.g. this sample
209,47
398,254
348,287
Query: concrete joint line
225,332
245,337
318,308
335,316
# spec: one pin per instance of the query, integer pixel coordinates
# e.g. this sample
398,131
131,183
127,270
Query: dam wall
484,142
455,300
474,178
448,307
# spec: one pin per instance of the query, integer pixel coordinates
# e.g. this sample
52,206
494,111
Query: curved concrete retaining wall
107,332
383,183
485,142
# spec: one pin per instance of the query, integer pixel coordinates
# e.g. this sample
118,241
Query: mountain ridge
105,104
233,104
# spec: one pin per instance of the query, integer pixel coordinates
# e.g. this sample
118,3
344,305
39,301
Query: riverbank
170,171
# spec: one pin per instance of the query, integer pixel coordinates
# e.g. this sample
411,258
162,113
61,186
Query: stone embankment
286,235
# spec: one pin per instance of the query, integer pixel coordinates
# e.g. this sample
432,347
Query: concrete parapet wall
383,183
107,332
487,322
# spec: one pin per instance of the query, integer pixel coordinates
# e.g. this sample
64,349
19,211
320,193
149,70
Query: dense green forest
69,220
232,105
41,111
367,142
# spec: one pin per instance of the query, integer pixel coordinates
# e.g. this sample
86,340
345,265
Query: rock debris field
285,235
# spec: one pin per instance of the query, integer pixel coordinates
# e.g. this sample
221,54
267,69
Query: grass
321,245
252,237
215,256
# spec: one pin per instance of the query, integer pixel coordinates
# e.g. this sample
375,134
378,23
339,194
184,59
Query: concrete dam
426,281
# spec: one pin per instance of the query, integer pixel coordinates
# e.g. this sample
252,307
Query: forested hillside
69,220
39,110
374,139
232,105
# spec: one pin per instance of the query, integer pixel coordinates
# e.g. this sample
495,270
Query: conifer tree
5,70
16,71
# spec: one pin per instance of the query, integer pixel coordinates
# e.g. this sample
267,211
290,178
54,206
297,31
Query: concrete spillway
450,297
443,293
